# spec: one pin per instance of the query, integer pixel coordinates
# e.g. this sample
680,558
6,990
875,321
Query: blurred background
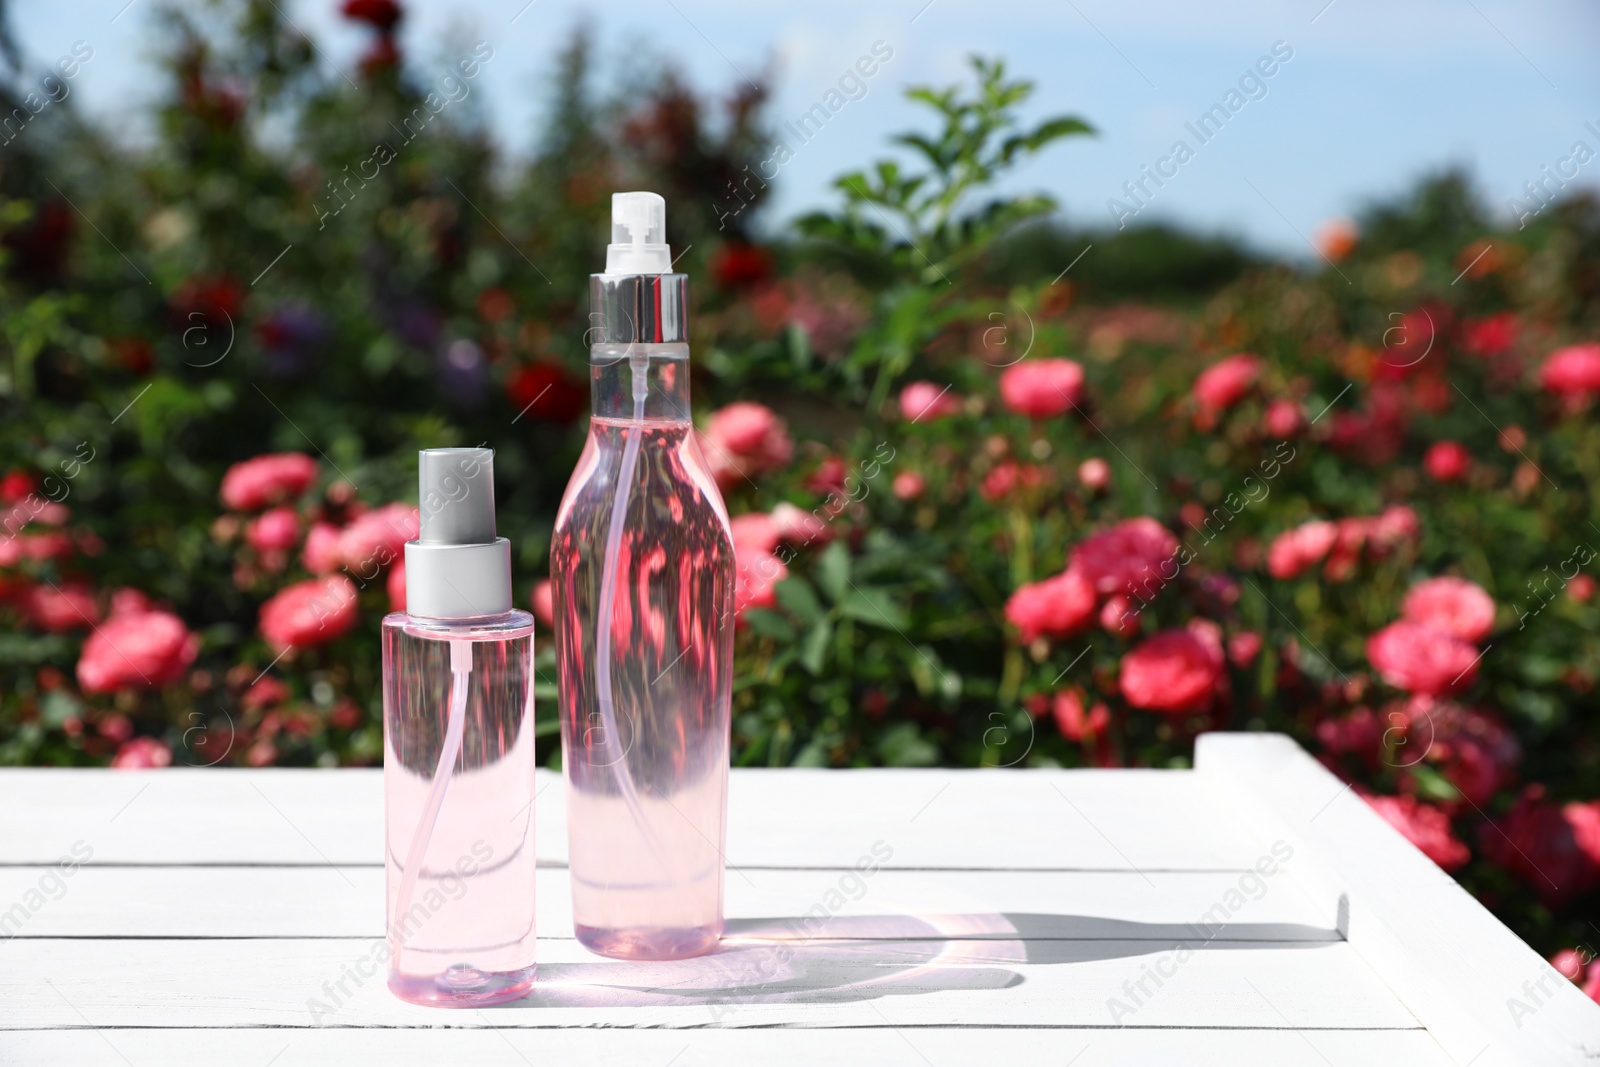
1079,377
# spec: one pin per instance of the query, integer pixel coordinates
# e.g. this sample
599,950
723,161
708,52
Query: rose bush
1113,508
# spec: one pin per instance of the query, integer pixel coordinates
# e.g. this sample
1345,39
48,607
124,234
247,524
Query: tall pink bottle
458,752
642,541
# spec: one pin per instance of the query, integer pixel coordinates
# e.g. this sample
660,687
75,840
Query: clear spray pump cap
638,235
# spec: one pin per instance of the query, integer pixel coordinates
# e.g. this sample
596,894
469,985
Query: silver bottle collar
638,309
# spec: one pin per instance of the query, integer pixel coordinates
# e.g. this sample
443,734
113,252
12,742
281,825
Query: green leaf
873,607
902,745
833,572
1433,785
799,599
814,651
769,624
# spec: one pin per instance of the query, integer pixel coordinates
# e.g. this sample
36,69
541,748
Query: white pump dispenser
638,235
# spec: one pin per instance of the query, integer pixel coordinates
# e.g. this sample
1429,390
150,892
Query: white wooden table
1012,918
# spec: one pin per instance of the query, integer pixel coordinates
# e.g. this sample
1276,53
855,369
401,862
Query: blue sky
1377,93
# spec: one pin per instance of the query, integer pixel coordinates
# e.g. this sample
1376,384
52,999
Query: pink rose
309,613
1424,825
1359,732
1396,525
136,650
265,692
798,527
1007,477
1042,388
1554,849
1573,371
321,554
745,439
1284,419
395,585
142,753
927,402
1074,722
274,529
1243,648
1473,749
1453,605
755,532
1176,671
1134,552
1056,607
1118,616
57,609
1570,963
1293,551
1094,474
1225,383
378,538
544,603
1422,659
755,582
1446,461
909,485
264,480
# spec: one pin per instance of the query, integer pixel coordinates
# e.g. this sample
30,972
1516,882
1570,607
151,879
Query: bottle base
462,987
653,943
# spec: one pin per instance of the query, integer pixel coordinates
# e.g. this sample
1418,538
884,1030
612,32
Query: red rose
1422,659
1118,616
255,483
1573,371
1292,551
309,613
1225,383
1555,849
1446,461
382,15
1472,748
1489,336
1243,648
1454,605
927,402
745,439
1176,671
546,392
1056,607
1424,825
1076,724
1134,552
141,754
738,265
57,609
1358,732
1042,388
1396,525
275,529
136,650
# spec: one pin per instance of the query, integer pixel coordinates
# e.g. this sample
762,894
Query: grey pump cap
457,568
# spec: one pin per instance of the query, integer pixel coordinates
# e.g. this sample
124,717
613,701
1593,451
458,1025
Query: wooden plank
908,984
1035,819
1485,995
883,1047
764,903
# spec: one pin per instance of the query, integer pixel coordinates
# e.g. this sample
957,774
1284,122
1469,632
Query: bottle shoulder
504,627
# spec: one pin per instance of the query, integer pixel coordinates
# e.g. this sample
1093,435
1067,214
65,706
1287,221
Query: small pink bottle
643,573
458,755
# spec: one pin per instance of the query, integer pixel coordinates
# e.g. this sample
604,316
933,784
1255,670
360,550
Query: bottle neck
619,374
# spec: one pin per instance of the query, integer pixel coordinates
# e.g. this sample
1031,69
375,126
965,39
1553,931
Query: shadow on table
855,958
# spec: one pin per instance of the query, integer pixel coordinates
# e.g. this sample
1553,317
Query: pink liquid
647,807
466,936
